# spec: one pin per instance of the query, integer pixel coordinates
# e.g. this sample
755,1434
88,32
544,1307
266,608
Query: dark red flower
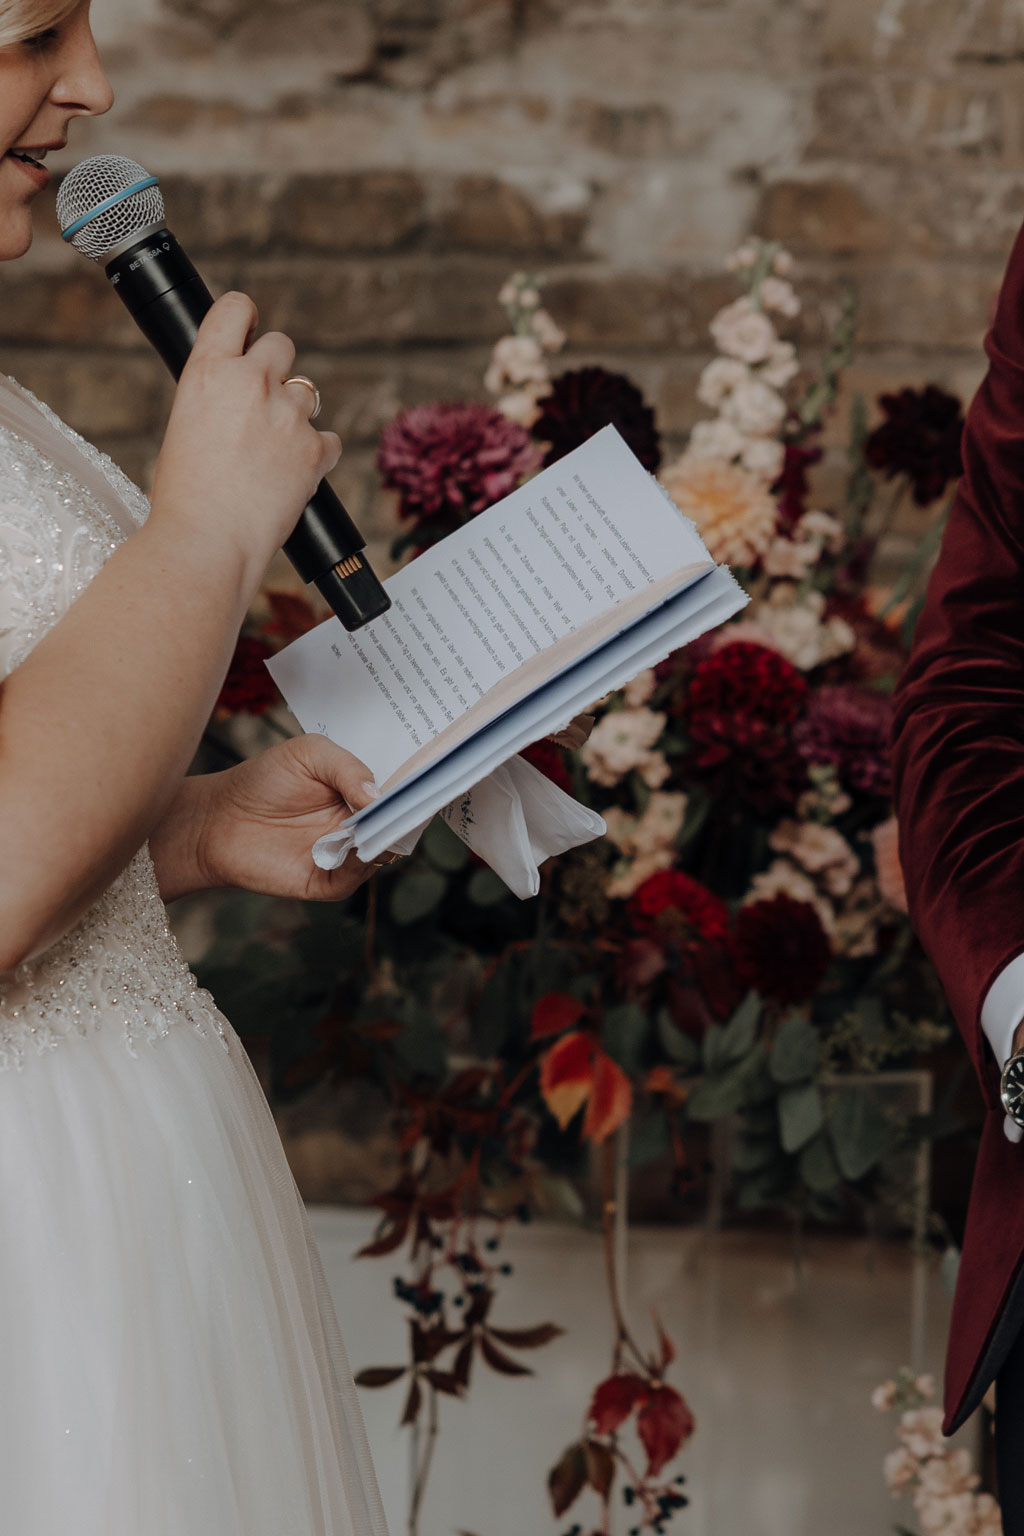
792,487
449,462
879,651
920,439
248,688
781,949
550,759
672,905
847,725
583,401
742,704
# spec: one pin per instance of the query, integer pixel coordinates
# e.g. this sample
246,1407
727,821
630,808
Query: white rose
755,409
719,379
742,331
826,530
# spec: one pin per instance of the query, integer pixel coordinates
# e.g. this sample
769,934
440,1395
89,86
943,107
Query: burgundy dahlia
920,439
847,725
248,688
448,462
583,401
781,949
743,703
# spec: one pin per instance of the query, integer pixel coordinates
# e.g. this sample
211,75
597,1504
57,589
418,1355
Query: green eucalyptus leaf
801,1115
485,889
753,1153
794,1056
648,1137
719,1095
446,851
624,1031
415,894
859,1130
740,1033
818,1167
678,1047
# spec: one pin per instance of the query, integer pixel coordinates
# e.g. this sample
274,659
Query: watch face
1011,1089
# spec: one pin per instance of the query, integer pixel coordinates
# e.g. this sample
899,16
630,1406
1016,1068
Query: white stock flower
755,408
654,769
780,365
660,822
627,876
921,1432
550,335
884,1396
987,1519
900,1471
824,529
717,439
742,331
923,1384
742,259
639,689
782,263
779,295
515,360
521,406
820,850
720,378
785,558
621,741
764,457
798,631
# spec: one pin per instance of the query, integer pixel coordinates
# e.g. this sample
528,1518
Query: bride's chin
15,234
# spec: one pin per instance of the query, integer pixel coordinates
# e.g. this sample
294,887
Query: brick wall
370,170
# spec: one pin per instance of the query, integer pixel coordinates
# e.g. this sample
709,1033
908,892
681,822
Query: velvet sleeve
958,730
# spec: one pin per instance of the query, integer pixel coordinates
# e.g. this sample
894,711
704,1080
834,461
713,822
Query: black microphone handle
167,299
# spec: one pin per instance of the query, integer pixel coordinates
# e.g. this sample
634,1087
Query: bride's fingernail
370,789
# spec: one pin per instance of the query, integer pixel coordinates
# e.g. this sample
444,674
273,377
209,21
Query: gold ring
384,859
300,378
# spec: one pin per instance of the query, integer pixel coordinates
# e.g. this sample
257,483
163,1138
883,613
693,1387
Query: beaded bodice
64,507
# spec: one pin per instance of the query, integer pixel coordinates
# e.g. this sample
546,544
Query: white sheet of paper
567,546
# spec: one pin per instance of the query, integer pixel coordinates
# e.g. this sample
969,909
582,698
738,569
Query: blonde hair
21,19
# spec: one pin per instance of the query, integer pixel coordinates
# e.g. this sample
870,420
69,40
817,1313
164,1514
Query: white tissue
513,820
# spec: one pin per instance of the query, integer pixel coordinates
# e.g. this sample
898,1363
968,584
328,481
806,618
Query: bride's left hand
253,826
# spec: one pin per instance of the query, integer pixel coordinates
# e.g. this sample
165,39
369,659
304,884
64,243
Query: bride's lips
32,168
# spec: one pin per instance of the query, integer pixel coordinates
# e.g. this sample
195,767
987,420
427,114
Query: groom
958,742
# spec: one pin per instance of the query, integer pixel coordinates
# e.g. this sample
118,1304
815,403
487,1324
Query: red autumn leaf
380,1375
567,1478
499,1361
668,1349
566,1075
554,1012
611,1098
614,1400
600,1467
527,1338
391,1240
665,1424
412,1402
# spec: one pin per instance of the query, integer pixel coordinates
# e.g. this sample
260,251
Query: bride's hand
253,826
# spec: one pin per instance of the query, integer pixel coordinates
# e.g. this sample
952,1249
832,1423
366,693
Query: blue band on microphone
108,202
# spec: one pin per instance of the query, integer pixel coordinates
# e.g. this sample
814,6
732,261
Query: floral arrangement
924,1467
737,946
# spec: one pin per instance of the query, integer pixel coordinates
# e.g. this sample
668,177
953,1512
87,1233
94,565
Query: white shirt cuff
1001,1012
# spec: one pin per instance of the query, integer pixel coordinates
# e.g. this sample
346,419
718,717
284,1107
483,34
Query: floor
777,1366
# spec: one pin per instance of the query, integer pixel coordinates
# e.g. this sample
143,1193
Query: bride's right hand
240,458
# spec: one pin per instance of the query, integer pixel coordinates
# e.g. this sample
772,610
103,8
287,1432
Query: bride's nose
82,84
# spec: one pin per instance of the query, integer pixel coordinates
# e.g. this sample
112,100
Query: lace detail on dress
120,967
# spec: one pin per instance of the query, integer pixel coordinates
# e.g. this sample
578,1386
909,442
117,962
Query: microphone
111,210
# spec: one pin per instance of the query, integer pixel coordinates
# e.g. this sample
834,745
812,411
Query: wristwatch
1011,1088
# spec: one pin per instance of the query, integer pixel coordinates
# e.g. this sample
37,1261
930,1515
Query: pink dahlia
847,726
450,461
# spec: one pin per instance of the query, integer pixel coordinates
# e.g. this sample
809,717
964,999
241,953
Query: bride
170,1364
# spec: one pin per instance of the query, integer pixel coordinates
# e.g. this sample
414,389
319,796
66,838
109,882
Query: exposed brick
637,129
874,115
101,396
829,216
484,213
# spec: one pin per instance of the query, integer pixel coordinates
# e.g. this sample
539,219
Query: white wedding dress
170,1361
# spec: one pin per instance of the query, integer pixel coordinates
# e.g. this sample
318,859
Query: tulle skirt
170,1361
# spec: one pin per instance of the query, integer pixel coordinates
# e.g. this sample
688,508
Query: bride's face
45,81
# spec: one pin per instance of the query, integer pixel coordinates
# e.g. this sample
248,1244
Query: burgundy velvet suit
959,761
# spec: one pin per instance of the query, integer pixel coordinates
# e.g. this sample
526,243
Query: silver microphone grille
106,200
